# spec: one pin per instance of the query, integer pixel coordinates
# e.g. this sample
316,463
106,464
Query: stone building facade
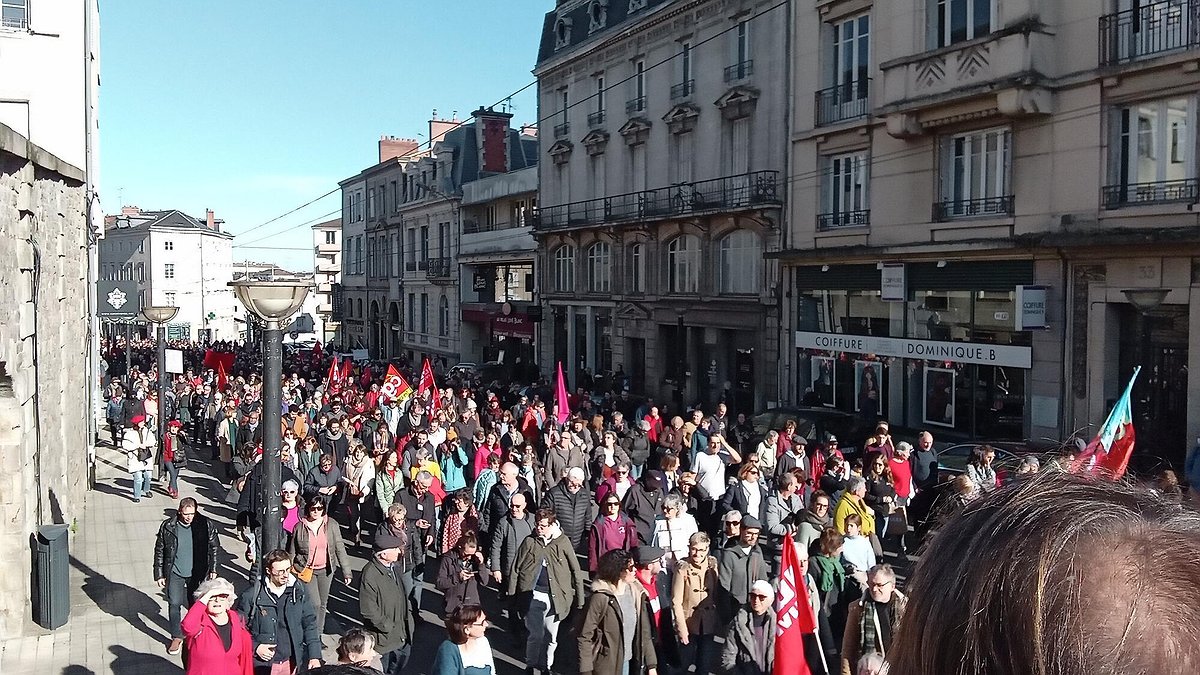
44,345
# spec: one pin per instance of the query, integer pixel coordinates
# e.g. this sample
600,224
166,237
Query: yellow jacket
850,504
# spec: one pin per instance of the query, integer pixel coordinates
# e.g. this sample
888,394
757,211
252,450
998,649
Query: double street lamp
272,302
160,316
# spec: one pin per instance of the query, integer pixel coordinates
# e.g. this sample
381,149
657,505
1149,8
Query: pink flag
560,397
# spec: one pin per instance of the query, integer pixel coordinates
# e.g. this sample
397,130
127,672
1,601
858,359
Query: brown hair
869,467
854,519
456,623
1099,577
831,540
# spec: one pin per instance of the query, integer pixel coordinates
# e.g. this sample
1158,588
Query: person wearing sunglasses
612,530
750,638
467,651
217,640
318,551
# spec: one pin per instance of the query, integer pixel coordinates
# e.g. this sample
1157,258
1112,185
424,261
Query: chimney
391,147
210,220
530,130
438,128
131,211
494,127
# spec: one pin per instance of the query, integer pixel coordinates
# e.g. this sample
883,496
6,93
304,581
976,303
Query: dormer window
562,33
597,15
635,5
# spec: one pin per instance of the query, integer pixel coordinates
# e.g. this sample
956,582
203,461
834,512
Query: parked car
815,425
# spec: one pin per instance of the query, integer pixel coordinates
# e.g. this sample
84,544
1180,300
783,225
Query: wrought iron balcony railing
683,89
561,130
635,105
842,102
1162,192
836,219
438,268
1154,28
972,208
739,71
748,190
596,119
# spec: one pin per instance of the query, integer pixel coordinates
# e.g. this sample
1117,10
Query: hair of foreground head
1057,575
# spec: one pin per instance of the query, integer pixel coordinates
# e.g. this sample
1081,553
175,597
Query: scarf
453,531
832,574
868,621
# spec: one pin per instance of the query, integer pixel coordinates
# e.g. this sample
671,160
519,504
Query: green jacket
601,634
566,579
383,605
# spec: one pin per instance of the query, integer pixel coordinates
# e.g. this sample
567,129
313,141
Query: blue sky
252,108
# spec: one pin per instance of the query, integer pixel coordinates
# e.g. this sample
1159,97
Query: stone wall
43,356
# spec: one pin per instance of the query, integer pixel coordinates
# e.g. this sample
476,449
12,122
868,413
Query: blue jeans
173,472
179,595
700,650
141,484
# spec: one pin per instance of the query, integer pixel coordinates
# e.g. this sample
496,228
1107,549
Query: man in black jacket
185,553
421,518
499,500
383,605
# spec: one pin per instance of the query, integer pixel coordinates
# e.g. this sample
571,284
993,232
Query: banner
395,386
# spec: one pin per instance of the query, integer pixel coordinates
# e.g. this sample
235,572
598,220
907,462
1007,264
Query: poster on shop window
824,379
868,388
939,396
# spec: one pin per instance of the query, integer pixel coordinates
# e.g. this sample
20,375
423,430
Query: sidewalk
118,621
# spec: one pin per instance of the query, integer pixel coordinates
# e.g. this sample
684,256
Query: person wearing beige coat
694,605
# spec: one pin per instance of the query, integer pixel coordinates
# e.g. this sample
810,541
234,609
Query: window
444,317
169,271
851,61
637,269
349,308
358,255
599,268
564,268
14,14
168,246
597,15
330,236
975,169
424,312
170,299
683,264
411,258
638,102
955,21
683,145
371,203
844,191
597,117
740,258
423,261
684,88
1152,159
443,240
412,311
743,65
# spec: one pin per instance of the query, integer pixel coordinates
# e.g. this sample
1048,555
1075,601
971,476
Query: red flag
317,349
331,377
428,386
395,386
1108,453
794,616
222,380
560,397
213,359
347,365
365,380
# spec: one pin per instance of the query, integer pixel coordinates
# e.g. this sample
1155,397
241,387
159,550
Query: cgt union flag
794,617
427,388
395,386
1108,453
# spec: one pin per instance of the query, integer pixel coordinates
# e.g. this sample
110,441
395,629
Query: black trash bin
52,583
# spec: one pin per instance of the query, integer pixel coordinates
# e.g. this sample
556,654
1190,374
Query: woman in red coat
217,640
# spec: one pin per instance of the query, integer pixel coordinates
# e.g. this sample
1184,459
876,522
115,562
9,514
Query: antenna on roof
508,106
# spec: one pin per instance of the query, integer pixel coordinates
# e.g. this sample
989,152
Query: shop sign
513,325
1031,308
479,282
1010,356
892,285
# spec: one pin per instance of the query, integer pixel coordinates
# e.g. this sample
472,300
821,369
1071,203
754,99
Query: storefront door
1158,341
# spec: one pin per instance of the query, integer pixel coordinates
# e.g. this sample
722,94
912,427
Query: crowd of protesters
628,538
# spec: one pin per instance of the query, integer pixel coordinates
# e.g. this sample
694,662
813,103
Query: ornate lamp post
272,302
160,316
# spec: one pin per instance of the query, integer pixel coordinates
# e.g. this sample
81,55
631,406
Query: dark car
953,460
815,425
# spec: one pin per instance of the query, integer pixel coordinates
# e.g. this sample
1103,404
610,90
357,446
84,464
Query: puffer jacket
575,512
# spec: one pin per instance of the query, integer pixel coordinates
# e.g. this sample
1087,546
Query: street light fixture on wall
160,316
272,302
1145,299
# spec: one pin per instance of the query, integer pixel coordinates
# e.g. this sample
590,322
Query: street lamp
272,302
160,316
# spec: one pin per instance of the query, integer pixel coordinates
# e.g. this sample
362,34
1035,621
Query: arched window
637,269
444,317
740,262
683,264
361,314
599,268
349,309
564,268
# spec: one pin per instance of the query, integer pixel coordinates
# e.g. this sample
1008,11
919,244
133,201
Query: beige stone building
963,168
662,149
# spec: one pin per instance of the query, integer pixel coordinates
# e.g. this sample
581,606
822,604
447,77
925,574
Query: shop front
939,350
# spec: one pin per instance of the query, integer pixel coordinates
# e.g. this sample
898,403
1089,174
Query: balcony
636,105
839,219
438,269
325,288
739,71
973,208
1186,191
1000,74
682,90
1151,29
744,191
596,119
843,102
328,267
561,130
